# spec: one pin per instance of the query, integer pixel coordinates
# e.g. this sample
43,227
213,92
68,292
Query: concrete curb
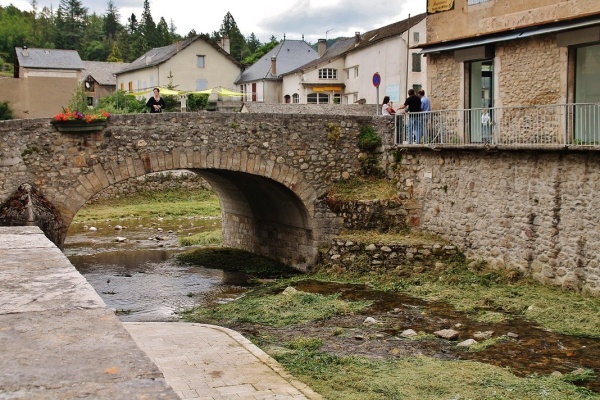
266,359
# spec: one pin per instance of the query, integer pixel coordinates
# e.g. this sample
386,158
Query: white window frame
321,98
328,73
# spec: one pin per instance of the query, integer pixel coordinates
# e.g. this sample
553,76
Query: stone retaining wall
360,257
532,210
382,215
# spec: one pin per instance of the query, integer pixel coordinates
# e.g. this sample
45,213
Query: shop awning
501,37
327,89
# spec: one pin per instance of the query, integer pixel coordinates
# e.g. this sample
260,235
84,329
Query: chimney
274,66
225,44
322,47
357,37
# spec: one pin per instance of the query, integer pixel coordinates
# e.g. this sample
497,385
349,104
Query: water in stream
140,279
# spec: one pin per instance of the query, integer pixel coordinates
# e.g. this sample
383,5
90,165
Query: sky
315,19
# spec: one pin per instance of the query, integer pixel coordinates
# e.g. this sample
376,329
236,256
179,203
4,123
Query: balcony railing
558,126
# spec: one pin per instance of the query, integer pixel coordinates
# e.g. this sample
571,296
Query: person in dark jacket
156,103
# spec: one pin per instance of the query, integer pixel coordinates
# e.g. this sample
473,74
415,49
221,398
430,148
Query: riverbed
131,265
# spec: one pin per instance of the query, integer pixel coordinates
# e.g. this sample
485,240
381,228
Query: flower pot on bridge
79,126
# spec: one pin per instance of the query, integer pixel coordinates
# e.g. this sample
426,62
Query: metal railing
562,125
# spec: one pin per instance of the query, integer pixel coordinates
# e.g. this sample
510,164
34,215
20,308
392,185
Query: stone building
491,54
99,79
40,75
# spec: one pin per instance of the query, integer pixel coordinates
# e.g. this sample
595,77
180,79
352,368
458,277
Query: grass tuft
284,309
211,238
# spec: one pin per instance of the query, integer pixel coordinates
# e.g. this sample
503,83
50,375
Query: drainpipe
407,52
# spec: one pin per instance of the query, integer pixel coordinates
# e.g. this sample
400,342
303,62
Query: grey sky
311,18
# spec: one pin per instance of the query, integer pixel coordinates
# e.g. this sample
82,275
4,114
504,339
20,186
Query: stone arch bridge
270,171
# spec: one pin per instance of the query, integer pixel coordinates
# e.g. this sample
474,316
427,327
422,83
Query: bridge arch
272,171
266,207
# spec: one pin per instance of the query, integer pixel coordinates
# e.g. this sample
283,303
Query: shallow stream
141,280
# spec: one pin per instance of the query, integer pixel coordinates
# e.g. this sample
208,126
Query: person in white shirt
387,108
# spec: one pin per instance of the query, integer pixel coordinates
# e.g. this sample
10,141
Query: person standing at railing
387,108
412,105
425,107
486,126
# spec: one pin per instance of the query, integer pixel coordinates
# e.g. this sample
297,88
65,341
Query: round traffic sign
376,79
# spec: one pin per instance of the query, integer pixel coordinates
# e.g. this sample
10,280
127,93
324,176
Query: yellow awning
163,91
327,89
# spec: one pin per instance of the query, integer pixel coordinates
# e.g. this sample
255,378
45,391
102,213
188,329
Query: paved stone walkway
210,362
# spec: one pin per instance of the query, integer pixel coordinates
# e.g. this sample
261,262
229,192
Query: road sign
376,79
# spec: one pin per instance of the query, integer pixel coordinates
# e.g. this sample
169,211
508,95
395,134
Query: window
122,86
347,74
473,2
287,98
201,84
200,61
139,84
587,93
415,37
317,98
131,86
337,98
328,73
296,98
356,72
417,87
416,62
90,101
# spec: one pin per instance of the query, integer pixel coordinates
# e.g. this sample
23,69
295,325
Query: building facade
44,81
195,64
262,81
500,53
343,73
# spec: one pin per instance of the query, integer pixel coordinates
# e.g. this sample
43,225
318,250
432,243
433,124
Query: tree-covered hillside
103,37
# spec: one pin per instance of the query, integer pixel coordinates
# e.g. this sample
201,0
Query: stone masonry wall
155,182
527,72
520,66
535,211
354,256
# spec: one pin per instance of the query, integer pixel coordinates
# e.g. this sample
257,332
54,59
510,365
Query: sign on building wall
393,91
436,6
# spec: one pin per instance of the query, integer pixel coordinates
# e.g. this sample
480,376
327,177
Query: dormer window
328,73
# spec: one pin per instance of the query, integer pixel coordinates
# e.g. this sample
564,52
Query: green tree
121,103
78,100
253,43
15,30
261,51
111,20
148,27
94,44
237,42
5,111
71,20
45,29
115,54
163,35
